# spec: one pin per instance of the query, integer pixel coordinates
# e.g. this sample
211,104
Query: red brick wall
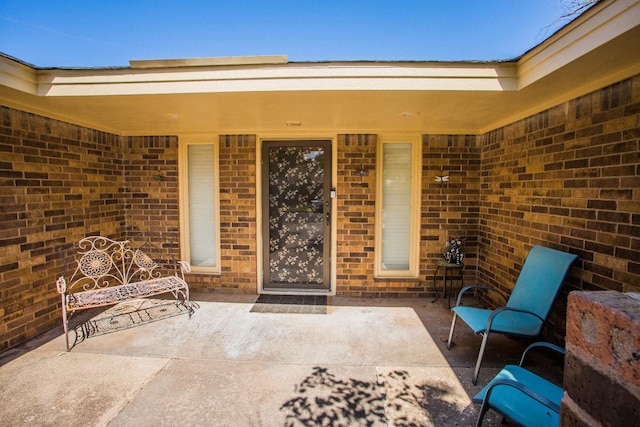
566,178
356,213
152,203
59,182
450,209
238,213
150,191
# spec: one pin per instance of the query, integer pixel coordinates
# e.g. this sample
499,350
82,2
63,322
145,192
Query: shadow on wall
324,399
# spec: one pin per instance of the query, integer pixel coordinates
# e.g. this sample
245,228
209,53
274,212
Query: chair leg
453,325
485,338
483,410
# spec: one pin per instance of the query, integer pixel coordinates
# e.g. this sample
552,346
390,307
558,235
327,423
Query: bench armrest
185,267
61,285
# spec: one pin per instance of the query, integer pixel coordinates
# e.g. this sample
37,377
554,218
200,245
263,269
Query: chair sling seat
507,322
518,406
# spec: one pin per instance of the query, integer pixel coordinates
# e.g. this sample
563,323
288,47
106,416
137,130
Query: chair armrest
488,288
525,390
501,310
541,344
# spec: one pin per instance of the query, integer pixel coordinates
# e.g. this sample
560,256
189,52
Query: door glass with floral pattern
296,214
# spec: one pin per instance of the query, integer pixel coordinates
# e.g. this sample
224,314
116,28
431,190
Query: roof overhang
265,94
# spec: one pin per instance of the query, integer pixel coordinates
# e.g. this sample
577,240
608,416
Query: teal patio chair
528,305
522,396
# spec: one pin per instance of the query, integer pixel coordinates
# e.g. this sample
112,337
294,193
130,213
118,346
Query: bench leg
186,298
188,301
65,321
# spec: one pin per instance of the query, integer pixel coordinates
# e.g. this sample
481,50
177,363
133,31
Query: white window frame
183,160
416,179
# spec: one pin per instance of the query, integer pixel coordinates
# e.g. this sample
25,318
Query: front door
296,180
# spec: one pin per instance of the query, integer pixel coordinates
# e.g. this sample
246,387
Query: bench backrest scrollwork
100,262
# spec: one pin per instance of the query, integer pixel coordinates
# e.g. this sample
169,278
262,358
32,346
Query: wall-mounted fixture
363,171
442,178
409,114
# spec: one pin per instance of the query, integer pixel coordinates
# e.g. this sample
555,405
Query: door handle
328,214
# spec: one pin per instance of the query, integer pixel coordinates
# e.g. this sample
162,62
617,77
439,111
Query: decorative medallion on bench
108,272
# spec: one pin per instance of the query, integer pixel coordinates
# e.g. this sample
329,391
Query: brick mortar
573,415
586,359
607,397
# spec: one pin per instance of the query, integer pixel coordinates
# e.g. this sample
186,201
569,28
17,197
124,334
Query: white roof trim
19,76
593,28
291,77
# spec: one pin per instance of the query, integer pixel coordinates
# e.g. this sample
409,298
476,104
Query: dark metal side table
448,273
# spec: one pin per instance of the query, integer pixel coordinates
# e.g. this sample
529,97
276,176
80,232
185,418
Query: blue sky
96,33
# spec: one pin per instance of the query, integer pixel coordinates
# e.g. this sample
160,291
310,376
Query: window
199,205
398,208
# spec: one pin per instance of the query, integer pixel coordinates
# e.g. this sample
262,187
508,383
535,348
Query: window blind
202,246
396,206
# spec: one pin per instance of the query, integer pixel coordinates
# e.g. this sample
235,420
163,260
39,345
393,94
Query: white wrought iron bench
105,272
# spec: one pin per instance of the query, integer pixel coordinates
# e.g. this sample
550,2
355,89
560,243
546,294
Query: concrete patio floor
374,362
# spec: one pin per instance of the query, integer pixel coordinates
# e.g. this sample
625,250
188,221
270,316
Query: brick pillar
356,216
237,214
602,365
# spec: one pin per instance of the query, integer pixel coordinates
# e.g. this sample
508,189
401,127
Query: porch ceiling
280,98
275,112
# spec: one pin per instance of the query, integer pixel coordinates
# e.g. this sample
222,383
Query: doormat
306,304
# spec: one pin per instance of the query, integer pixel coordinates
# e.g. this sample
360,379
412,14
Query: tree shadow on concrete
322,399
326,400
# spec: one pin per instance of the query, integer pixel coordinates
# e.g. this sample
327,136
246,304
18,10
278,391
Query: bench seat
115,294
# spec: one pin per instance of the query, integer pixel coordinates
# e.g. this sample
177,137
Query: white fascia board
405,84
595,27
305,77
16,75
